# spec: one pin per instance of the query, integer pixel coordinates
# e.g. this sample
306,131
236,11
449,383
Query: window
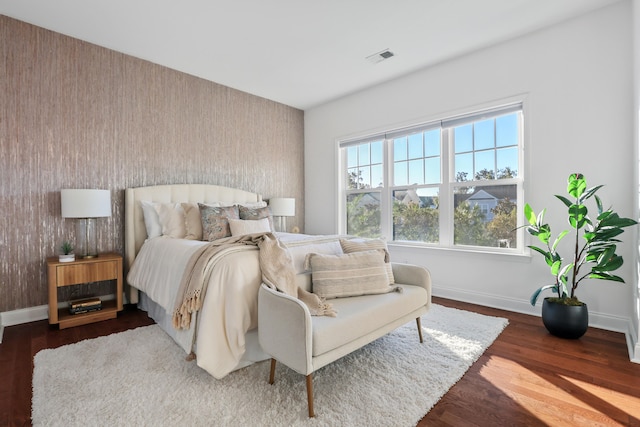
451,183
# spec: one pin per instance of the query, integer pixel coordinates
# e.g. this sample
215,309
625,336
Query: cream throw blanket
277,273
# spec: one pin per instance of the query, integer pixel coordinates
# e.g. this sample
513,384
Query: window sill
511,256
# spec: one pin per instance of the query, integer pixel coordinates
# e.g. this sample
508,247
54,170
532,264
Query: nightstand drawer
85,273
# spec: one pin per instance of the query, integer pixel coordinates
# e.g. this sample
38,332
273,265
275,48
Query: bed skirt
183,338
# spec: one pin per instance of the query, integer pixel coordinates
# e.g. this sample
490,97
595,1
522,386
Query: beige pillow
240,227
347,275
352,245
171,217
193,220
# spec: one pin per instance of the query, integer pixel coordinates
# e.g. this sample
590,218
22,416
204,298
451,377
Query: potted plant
67,252
594,257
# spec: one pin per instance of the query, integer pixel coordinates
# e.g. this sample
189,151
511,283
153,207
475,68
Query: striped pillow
347,275
350,246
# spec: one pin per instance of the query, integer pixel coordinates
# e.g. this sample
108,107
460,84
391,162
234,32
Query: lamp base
87,238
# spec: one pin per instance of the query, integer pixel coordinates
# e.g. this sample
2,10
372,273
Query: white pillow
151,220
240,227
172,219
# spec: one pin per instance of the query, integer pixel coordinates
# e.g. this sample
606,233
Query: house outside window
450,183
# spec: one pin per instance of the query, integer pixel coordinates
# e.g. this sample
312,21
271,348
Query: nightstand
103,267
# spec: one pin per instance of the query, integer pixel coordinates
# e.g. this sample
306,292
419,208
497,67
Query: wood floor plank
525,378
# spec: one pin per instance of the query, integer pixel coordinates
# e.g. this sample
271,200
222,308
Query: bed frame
135,232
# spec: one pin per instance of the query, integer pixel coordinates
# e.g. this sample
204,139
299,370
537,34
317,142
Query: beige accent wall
75,115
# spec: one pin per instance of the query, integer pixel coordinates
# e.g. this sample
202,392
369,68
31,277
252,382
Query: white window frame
447,184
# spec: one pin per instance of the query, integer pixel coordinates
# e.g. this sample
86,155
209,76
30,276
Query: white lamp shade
283,206
88,203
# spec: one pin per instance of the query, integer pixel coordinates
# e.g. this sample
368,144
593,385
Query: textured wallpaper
75,115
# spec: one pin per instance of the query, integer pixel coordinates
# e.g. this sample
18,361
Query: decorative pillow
256,213
240,227
193,220
250,205
215,221
171,216
350,246
151,220
347,275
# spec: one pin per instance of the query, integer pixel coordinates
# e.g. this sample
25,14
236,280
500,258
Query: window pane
464,167
363,214
376,176
365,175
507,162
432,143
400,149
507,130
486,216
376,152
363,154
415,146
484,165
416,172
463,138
432,170
352,178
415,215
400,173
352,156
483,135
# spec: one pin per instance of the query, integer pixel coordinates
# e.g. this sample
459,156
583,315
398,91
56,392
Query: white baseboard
23,315
596,320
30,314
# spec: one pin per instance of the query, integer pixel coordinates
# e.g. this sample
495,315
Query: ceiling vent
379,56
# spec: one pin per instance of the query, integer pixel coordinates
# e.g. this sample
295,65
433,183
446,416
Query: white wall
577,77
634,341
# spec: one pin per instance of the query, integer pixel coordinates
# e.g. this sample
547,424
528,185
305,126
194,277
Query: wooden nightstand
103,267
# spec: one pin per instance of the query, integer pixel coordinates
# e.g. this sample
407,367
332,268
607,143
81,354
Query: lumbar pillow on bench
346,275
350,246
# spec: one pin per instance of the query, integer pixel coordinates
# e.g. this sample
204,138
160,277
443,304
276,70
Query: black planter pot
565,321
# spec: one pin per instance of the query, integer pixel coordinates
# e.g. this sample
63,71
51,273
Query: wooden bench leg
310,395
419,329
272,373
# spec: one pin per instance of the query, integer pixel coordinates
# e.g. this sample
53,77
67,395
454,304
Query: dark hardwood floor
526,378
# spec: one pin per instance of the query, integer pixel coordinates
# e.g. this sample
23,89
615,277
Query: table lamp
281,208
86,205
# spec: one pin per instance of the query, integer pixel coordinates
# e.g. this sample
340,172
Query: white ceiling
298,52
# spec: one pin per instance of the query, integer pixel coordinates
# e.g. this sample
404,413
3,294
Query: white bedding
230,306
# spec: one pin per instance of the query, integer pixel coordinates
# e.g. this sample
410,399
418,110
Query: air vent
379,56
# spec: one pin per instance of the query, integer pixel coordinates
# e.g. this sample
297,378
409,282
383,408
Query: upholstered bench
306,343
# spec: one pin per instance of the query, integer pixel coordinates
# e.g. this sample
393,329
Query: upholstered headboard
135,232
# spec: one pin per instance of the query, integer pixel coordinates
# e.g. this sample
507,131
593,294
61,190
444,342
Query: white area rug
140,377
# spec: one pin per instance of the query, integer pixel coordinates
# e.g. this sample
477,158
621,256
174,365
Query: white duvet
230,305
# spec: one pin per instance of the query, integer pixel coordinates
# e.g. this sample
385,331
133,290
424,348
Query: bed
223,334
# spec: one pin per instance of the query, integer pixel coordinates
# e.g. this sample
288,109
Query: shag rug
140,377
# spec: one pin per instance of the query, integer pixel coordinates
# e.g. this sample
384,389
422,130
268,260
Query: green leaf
599,205
606,276
590,192
564,200
608,262
560,236
577,215
529,214
540,250
555,267
576,185
536,294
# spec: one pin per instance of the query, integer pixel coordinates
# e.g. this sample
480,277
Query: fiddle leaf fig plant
594,254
